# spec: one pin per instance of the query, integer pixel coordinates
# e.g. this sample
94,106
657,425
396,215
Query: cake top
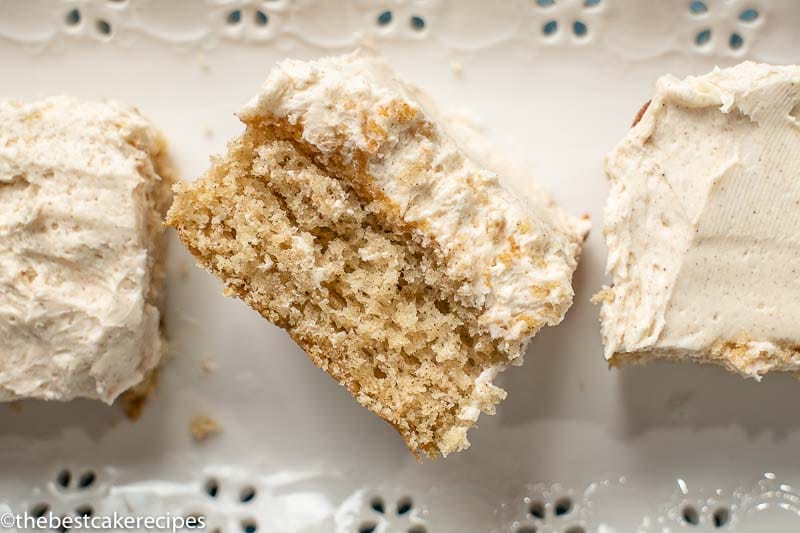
702,222
74,317
514,261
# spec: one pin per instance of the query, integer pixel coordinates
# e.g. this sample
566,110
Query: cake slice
703,224
347,216
83,190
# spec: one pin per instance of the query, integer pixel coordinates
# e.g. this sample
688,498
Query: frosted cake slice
83,190
703,224
345,215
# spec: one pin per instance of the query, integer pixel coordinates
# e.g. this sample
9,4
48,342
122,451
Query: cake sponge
346,215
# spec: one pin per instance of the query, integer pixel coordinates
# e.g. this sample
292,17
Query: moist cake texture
83,190
702,224
347,216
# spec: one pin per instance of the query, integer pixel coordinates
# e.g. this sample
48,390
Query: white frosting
74,276
703,222
483,389
470,137
515,262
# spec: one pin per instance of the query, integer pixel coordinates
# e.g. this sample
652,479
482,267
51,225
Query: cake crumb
134,399
15,406
457,67
208,131
202,59
208,365
203,427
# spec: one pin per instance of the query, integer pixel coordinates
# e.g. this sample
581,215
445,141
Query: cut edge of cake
356,121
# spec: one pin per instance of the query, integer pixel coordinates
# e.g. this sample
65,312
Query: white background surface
621,444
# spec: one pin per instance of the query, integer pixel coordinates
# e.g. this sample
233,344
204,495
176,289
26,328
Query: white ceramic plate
558,83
